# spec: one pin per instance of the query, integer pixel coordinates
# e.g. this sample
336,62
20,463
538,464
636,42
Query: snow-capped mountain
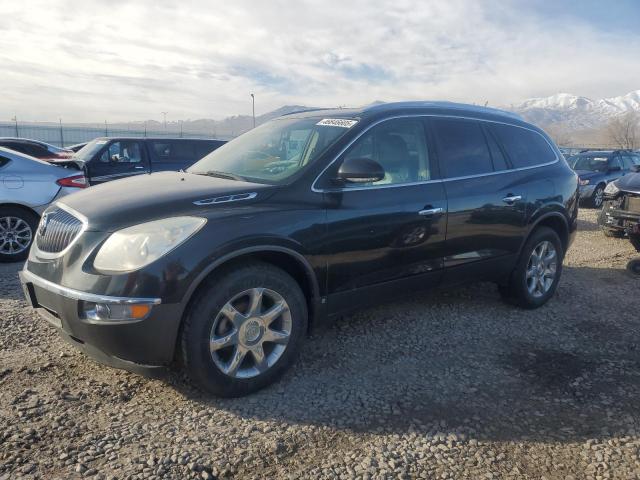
576,112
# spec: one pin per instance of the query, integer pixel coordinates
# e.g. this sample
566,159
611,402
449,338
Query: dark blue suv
597,168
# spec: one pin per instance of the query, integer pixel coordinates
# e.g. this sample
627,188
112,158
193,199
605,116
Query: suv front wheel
537,273
244,329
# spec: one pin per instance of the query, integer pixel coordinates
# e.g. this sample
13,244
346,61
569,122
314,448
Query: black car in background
105,159
224,268
598,168
620,213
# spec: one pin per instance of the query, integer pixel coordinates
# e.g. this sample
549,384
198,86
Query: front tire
535,278
17,230
244,329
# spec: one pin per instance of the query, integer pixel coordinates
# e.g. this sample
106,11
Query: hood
629,183
129,201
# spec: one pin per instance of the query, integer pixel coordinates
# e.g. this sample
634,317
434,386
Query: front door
386,237
118,159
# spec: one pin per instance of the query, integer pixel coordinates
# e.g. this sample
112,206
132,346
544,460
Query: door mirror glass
360,170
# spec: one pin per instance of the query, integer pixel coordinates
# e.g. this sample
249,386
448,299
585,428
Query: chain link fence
63,135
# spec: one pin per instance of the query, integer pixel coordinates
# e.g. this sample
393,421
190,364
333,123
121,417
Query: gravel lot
449,385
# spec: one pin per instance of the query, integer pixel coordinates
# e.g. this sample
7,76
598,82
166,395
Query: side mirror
635,168
360,170
115,158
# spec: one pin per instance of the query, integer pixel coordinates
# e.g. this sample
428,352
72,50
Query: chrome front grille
57,230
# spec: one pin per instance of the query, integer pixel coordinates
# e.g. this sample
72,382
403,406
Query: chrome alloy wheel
15,235
598,197
541,269
250,333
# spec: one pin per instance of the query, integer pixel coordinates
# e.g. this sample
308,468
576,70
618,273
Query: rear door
486,200
118,159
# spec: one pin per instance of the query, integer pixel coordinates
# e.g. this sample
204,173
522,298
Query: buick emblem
42,228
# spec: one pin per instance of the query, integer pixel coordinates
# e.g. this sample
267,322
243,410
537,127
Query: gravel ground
449,385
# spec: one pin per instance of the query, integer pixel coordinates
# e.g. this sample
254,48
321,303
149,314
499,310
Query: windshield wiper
228,176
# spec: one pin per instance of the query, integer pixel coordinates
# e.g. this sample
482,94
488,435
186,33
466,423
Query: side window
182,151
462,148
399,146
615,162
4,161
635,159
525,148
161,151
629,161
123,151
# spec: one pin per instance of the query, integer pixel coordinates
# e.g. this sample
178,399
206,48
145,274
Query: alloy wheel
15,235
541,269
250,333
598,197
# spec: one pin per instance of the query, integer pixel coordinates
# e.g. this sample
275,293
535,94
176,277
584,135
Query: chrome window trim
423,182
75,213
85,296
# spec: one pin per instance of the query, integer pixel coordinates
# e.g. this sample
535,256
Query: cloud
90,60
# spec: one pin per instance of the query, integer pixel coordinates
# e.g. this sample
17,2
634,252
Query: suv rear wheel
17,230
244,330
537,273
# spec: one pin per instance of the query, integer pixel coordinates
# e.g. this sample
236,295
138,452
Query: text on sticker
337,122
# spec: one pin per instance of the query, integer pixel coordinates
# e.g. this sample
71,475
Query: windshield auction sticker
337,122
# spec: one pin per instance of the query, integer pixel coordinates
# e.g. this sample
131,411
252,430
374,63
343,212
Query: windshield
87,152
590,162
274,151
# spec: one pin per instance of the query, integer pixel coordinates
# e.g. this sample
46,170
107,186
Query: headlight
134,247
611,189
583,182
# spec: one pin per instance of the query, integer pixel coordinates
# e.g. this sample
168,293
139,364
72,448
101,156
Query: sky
118,60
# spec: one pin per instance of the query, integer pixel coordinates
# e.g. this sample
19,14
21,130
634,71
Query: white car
27,187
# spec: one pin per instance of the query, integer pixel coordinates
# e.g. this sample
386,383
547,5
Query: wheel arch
287,259
554,220
20,206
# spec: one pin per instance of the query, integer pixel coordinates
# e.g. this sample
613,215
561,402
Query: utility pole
106,129
61,136
180,128
165,120
253,108
15,119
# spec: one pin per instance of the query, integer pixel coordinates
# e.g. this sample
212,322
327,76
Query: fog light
114,312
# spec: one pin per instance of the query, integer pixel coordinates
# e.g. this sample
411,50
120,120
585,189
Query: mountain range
575,112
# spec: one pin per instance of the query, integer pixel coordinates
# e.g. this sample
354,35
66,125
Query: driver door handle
429,212
509,199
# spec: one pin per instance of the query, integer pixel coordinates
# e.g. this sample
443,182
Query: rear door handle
429,212
509,199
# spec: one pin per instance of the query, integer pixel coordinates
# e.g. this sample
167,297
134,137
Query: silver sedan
27,187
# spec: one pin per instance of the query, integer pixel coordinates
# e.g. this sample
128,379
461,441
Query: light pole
165,119
15,119
253,108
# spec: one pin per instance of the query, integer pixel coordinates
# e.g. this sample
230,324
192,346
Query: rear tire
232,343
18,228
634,266
535,278
612,232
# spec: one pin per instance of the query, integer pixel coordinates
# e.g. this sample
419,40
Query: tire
234,290
17,230
612,232
518,290
635,241
634,266
597,198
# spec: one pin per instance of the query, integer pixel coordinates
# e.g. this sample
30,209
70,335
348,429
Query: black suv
105,159
226,267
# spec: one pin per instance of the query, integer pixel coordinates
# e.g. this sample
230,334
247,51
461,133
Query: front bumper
620,220
137,345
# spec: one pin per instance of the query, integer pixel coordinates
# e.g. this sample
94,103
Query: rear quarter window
525,148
